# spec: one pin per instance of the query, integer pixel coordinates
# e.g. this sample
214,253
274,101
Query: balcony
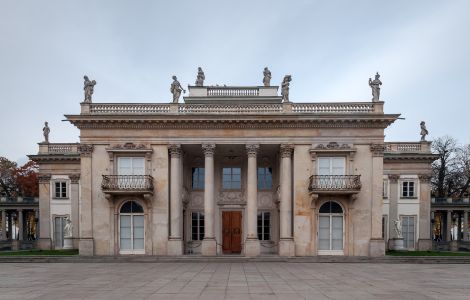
127,184
335,184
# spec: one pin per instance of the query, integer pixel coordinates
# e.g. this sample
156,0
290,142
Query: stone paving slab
242,280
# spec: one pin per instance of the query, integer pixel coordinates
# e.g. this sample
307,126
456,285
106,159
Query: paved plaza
260,280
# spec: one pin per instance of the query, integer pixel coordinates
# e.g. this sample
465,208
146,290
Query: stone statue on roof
200,77
375,86
88,87
285,88
176,89
267,77
424,131
45,131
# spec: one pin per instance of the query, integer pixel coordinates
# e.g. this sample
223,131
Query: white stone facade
233,170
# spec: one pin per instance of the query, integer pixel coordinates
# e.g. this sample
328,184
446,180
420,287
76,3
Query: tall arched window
330,228
131,228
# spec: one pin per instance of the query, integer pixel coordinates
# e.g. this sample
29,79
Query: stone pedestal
86,247
396,244
252,247
44,243
454,246
209,247
15,245
68,243
377,247
175,247
424,244
286,247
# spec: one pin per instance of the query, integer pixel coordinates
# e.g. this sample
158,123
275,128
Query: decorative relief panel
196,200
265,200
231,197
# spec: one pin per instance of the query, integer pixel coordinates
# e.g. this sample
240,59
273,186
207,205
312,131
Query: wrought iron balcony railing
335,183
127,183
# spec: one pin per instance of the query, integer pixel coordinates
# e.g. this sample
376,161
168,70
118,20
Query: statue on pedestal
89,87
176,89
397,227
68,228
200,77
424,131
45,131
267,77
375,86
285,88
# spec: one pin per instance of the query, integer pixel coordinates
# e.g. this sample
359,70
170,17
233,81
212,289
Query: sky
331,49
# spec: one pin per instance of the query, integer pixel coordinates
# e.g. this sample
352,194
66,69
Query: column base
286,247
424,244
209,247
454,246
396,244
44,244
252,247
86,247
376,247
175,247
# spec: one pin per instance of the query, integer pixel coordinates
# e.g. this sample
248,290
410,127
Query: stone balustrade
232,91
127,183
408,147
58,148
19,200
335,183
233,108
451,201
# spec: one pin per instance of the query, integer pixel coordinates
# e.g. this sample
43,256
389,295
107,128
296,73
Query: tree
26,178
8,186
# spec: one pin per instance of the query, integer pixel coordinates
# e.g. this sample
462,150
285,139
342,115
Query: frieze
128,146
231,197
333,146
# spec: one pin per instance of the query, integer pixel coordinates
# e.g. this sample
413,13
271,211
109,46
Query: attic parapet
411,147
58,148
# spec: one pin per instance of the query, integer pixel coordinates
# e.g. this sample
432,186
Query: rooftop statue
424,131
267,77
285,88
200,77
176,89
45,131
89,87
375,86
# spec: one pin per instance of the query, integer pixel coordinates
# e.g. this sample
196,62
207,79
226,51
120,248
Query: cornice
411,157
55,158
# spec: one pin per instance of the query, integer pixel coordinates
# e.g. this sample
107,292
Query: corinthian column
209,244
286,242
252,245
175,243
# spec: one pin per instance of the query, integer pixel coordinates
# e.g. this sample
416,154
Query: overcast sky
331,48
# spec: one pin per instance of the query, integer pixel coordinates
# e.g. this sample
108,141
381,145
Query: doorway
231,232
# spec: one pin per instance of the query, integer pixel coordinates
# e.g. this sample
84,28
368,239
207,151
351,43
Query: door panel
231,231
226,232
236,231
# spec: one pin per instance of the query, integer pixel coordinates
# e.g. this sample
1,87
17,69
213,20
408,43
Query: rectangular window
59,224
408,231
264,226
385,188
331,166
231,178
265,178
198,178
408,189
131,166
197,226
60,189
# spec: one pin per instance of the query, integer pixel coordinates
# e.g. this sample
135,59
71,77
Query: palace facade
234,170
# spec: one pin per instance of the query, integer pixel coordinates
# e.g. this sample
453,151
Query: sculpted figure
45,131
176,89
89,87
267,77
68,227
200,77
375,86
424,131
397,227
285,88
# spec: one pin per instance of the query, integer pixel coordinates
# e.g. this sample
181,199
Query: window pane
236,171
227,171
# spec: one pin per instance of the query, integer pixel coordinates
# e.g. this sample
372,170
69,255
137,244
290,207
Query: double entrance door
231,232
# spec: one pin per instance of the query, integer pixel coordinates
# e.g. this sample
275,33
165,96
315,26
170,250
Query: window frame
264,176
385,188
199,179
200,226
63,186
331,158
402,189
231,187
263,227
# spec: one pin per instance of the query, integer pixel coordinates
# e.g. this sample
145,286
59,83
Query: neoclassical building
234,170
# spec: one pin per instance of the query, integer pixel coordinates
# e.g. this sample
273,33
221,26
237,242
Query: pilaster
376,244
86,243
286,242
44,242
175,243
209,244
424,236
252,244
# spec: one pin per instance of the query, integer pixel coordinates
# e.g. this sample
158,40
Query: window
265,178
408,189
331,166
198,179
264,226
408,231
59,225
131,228
330,227
131,166
60,189
385,189
231,178
197,226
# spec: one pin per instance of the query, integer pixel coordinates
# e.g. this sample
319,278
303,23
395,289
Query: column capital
393,178
208,149
85,149
377,149
44,178
424,178
175,150
252,150
74,178
286,150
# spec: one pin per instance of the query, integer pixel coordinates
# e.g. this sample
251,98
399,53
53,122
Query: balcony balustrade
127,184
335,184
